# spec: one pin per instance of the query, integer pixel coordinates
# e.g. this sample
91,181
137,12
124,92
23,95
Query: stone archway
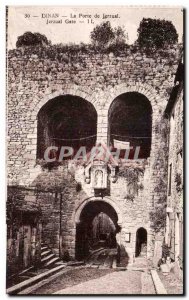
43,99
147,90
105,199
130,121
141,242
66,121
105,98
101,102
96,227
73,90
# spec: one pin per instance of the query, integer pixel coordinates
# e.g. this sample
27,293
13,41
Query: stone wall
99,79
176,153
32,81
174,230
58,211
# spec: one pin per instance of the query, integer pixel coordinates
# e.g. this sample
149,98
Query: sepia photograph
95,150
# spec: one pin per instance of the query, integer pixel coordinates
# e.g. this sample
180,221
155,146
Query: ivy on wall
178,181
158,214
132,174
73,55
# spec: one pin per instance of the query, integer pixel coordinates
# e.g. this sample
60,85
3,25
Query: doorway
141,243
97,229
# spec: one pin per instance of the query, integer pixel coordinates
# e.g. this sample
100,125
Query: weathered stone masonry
99,79
174,220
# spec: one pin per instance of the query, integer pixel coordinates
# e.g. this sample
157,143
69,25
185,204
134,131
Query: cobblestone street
114,283
100,282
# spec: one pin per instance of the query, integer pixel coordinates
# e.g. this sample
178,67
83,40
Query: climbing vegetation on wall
132,176
55,181
158,214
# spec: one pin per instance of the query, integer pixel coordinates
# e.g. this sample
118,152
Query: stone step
31,274
94,266
28,291
24,277
103,267
119,268
25,271
44,248
76,263
58,263
52,261
45,253
49,257
26,283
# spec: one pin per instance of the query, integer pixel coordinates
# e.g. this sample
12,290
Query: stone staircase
48,261
48,258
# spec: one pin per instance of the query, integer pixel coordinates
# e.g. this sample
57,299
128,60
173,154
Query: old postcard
95,150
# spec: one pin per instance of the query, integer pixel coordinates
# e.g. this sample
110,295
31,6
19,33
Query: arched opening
97,228
130,124
141,242
66,121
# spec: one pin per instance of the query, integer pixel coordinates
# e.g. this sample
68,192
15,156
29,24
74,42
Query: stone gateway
82,99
